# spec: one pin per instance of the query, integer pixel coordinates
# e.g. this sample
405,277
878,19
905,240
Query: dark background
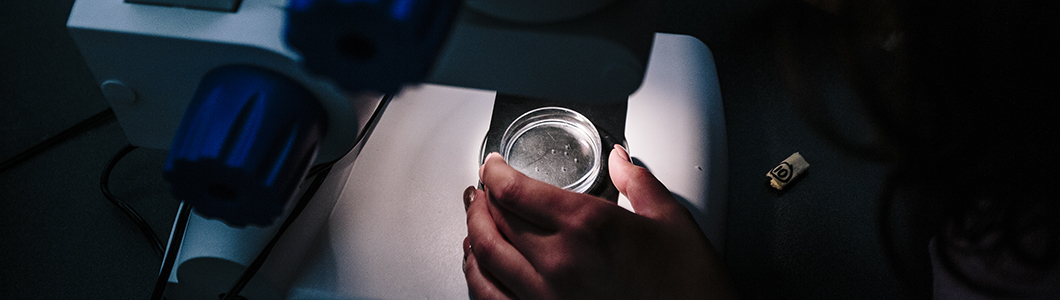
59,238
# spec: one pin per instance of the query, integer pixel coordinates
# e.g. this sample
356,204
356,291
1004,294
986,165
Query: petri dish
556,145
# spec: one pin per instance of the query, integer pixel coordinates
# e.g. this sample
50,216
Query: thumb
647,195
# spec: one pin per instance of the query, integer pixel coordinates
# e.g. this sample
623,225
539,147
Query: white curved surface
397,229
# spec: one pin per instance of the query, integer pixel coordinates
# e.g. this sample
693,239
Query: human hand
531,240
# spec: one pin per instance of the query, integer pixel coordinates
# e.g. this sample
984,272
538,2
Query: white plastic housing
160,53
149,59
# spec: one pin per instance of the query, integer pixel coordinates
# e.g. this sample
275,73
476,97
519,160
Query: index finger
539,203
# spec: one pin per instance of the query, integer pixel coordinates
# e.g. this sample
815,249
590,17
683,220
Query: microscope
389,107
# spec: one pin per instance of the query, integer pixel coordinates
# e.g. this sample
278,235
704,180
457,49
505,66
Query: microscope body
149,60
355,241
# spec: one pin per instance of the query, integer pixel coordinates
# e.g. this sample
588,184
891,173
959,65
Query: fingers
492,255
539,203
479,283
647,195
530,239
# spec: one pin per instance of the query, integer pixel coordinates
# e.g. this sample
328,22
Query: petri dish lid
555,145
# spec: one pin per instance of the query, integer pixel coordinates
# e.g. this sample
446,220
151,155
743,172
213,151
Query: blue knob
246,141
369,44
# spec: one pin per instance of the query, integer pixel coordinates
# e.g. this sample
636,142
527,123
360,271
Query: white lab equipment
387,222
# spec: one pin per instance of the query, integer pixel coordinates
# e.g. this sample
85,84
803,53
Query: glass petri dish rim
567,117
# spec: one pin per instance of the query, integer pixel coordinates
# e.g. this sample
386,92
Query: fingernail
622,152
469,195
467,250
463,266
494,155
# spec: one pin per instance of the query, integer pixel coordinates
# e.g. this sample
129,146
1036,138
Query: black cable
92,122
175,240
104,186
372,121
254,266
